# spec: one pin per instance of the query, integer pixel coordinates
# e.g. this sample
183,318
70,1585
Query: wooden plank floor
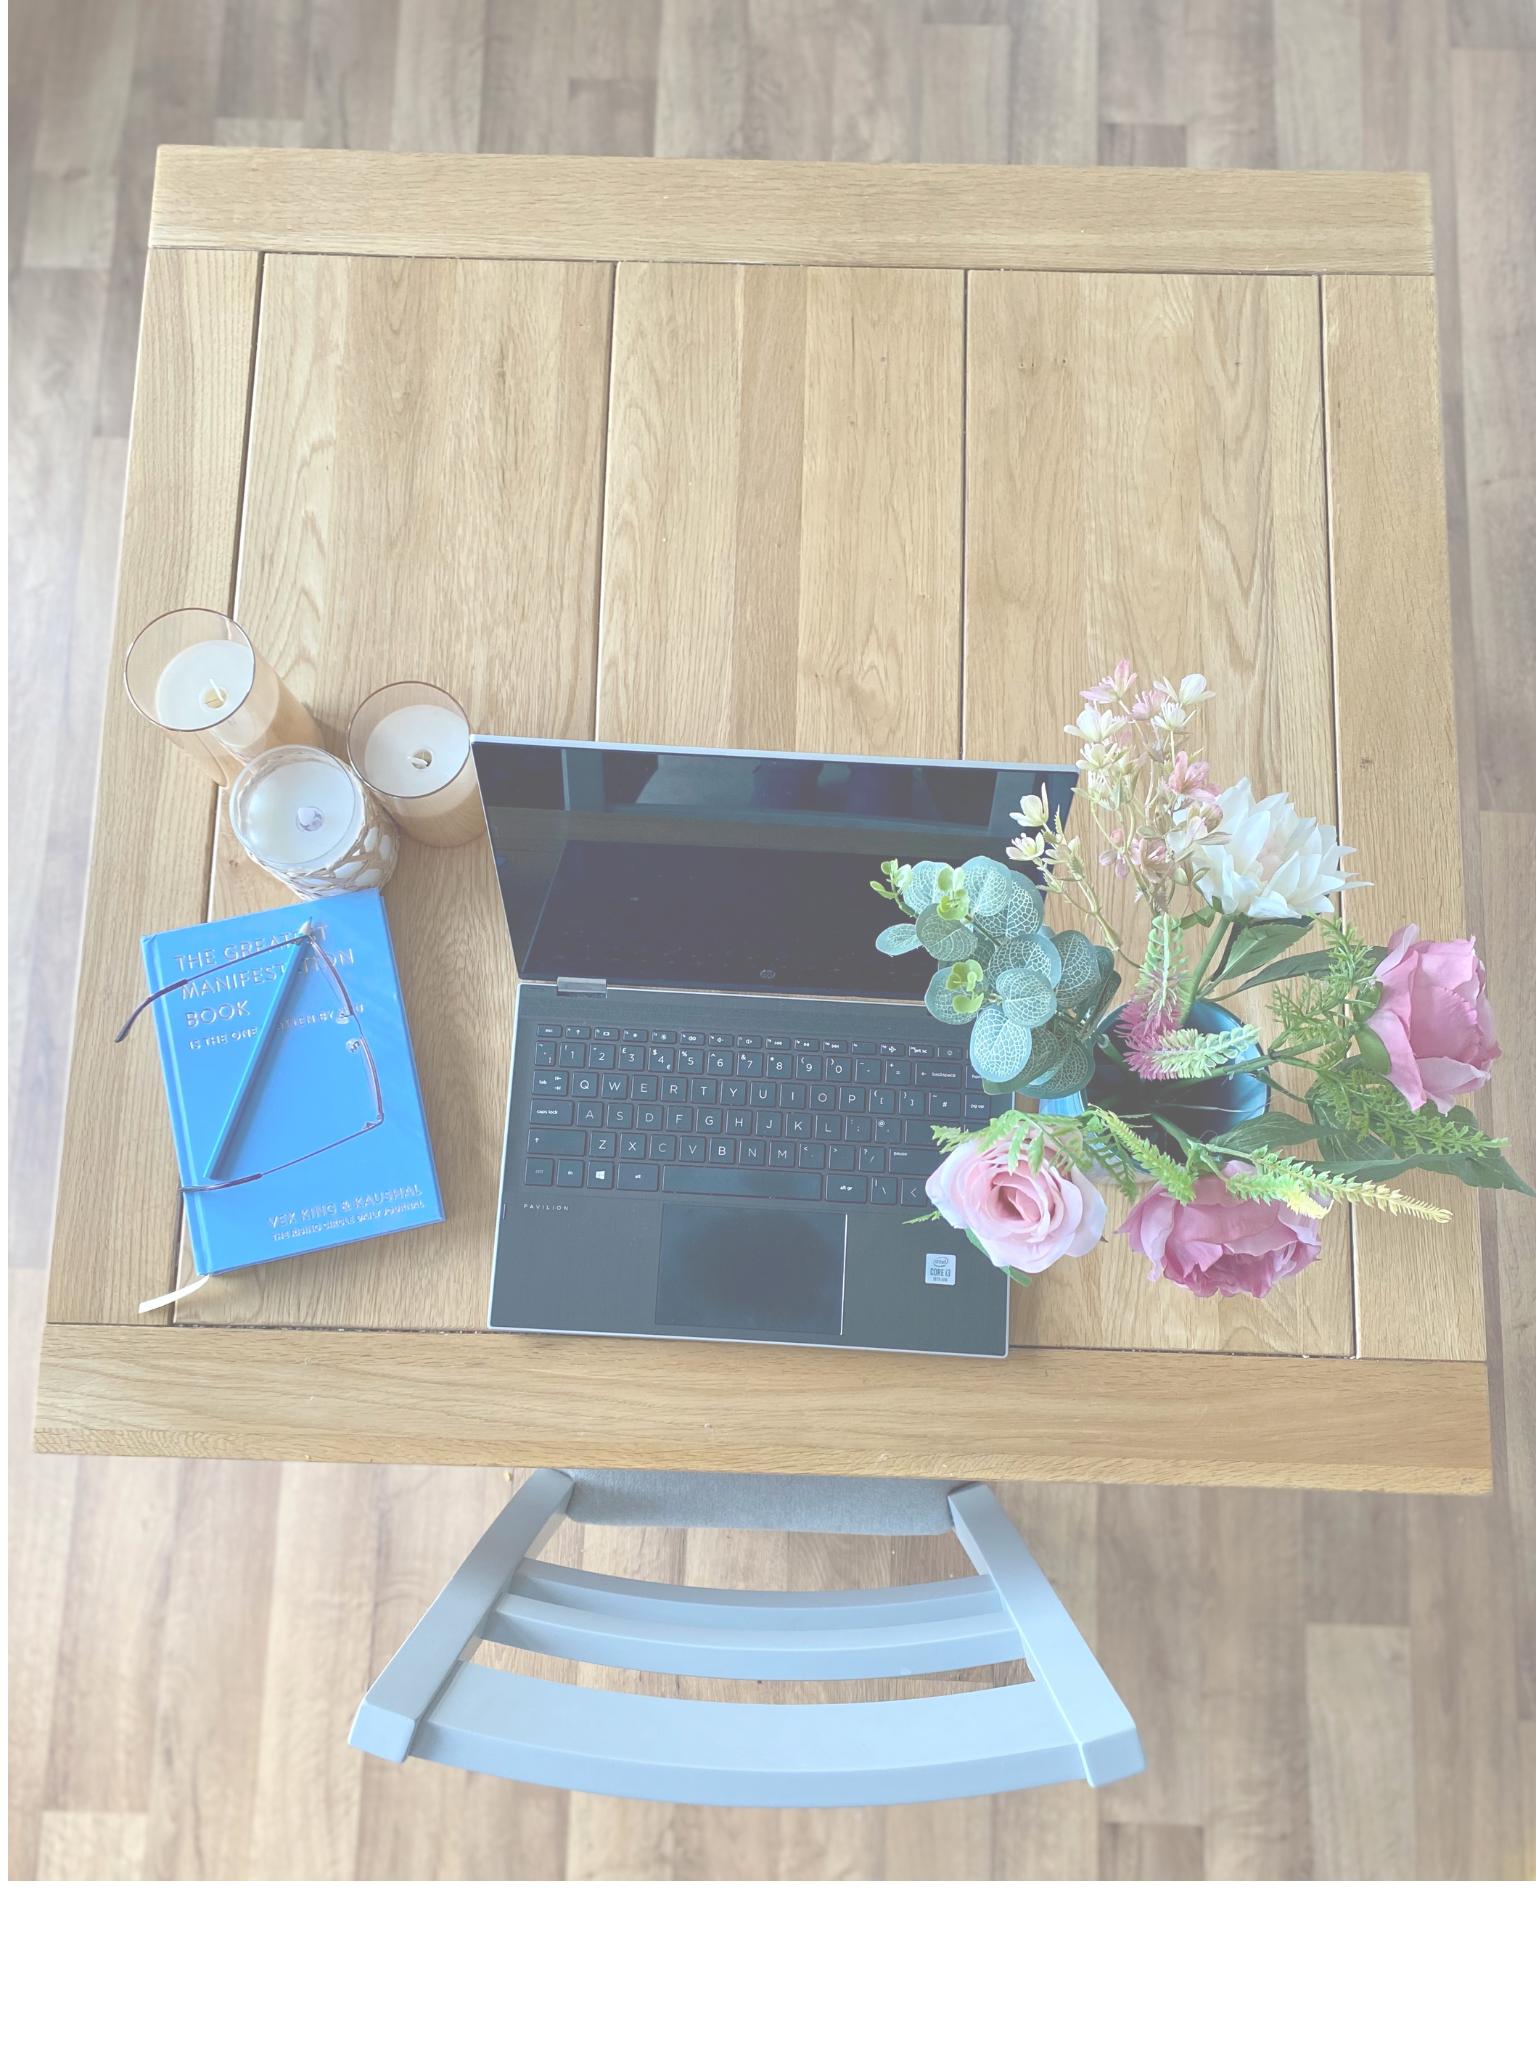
1327,1686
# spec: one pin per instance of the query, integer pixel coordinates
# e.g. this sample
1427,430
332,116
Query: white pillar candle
410,744
416,750
204,684
303,813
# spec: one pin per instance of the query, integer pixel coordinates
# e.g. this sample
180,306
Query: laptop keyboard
706,1113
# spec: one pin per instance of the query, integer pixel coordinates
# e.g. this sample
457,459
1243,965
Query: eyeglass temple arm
298,939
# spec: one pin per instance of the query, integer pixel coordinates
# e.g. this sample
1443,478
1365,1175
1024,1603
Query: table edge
488,1399
738,210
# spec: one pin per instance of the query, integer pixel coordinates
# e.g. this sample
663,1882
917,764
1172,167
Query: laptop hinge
579,985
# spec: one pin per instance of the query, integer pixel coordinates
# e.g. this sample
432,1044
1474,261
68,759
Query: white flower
1192,689
1031,813
1268,862
1093,724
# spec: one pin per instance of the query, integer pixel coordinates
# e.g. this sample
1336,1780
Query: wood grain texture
1153,1853
40,1511
439,71
783,514
213,1656
308,1783
465,1398
1360,1752
687,210
1141,61
965,113
1509,850
1173,426
72,196
1466,1735
424,483
1418,1289
1317,84
101,1755
1253,1721
1152,1636
1229,85
54,783
877,81
1496,230
119,1200
1053,90
92,1847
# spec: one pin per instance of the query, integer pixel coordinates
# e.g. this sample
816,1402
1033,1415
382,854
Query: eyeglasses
347,1012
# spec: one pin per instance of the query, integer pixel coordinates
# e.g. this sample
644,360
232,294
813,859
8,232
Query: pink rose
1020,1219
1433,1018
1217,1244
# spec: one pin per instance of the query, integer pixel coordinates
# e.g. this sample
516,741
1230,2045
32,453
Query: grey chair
432,1701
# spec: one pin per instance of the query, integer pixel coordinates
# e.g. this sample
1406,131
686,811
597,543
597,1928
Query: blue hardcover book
291,1082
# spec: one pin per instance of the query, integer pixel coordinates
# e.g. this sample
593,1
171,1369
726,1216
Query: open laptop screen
680,868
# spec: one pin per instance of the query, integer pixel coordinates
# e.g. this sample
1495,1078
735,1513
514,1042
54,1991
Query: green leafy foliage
940,1000
1160,982
1072,1072
988,884
1254,945
1265,1133
898,938
967,987
1028,998
943,937
1024,912
896,879
1081,970
999,1047
1201,1055
920,887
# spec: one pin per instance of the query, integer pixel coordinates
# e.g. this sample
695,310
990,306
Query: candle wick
214,697
422,758
308,819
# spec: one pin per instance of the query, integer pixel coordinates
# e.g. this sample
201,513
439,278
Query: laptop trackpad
752,1269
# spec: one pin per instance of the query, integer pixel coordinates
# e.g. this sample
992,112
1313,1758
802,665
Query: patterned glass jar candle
305,818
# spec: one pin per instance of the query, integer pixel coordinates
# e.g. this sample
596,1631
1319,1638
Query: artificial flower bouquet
1170,1098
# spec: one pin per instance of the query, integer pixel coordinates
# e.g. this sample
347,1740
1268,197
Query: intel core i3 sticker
940,1270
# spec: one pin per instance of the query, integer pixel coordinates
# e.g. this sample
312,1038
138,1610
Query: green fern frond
1199,1055
1177,1179
1308,1189
1162,968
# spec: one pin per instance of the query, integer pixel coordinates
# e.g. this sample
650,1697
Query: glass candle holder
410,743
306,818
196,675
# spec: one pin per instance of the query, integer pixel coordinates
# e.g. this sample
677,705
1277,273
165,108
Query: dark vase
1201,1109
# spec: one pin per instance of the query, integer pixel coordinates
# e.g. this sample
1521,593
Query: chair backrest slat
590,1740
724,1605
700,1645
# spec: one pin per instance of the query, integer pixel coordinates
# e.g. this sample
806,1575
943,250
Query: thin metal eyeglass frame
304,938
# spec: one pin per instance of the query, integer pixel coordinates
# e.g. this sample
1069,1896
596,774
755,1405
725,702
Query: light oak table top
845,458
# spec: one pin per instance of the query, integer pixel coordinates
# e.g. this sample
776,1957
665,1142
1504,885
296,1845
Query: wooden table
817,456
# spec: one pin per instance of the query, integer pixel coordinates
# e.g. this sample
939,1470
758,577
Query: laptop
722,1095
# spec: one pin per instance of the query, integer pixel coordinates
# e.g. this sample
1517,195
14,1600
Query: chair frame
432,1701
